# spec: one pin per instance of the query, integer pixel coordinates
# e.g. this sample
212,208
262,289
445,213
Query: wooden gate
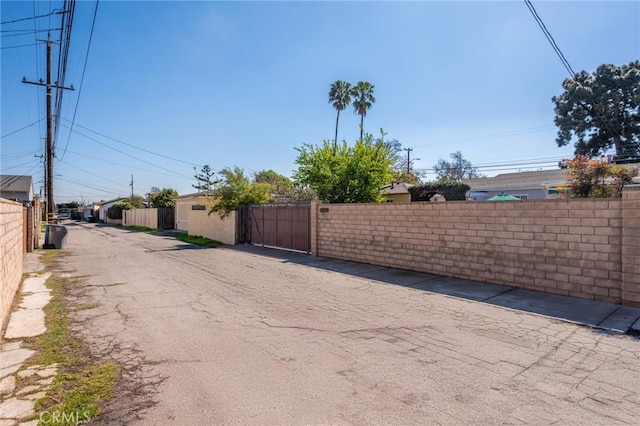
166,218
276,225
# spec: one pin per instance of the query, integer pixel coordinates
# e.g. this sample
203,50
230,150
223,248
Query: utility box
55,237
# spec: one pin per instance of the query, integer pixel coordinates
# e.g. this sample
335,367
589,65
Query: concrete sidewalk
591,313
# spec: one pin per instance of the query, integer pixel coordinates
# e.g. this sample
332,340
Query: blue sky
244,83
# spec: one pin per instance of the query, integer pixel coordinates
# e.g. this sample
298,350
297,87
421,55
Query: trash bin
55,237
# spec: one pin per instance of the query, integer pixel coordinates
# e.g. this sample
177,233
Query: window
522,197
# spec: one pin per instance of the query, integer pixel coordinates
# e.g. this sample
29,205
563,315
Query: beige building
192,216
397,192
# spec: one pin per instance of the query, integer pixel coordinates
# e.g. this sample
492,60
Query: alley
218,336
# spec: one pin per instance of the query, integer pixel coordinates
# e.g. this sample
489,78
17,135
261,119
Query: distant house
397,192
538,185
103,206
16,187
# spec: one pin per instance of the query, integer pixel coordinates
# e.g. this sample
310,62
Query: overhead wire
571,72
30,17
125,153
136,147
84,69
21,129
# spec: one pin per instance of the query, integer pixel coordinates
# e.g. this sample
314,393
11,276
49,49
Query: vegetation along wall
588,248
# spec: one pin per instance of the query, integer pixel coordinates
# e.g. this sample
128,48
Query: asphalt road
219,336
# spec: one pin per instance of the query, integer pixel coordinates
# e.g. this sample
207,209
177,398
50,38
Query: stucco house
192,216
537,185
16,187
103,206
397,192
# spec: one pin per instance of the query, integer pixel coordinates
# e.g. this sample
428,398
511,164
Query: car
91,219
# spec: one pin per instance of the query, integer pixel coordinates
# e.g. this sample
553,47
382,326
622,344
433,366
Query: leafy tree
455,170
451,191
133,202
280,184
340,98
70,205
343,174
302,194
590,178
205,180
601,110
363,98
160,198
235,190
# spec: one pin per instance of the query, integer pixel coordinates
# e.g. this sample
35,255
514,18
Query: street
219,336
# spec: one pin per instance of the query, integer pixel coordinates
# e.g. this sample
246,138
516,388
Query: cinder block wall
11,253
568,247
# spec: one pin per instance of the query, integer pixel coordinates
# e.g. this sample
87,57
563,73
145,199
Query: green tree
205,179
363,98
601,110
235,189
340,98
455,170
160,198
343,174
133,202
588,178
280,184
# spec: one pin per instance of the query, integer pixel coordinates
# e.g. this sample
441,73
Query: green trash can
55,237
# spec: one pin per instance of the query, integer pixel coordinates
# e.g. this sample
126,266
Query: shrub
450,190
115,211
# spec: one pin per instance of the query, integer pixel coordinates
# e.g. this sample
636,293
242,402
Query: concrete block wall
631,246
11,254
568,247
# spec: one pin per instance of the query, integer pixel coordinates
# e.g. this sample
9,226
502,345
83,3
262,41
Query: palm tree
340,98
363,99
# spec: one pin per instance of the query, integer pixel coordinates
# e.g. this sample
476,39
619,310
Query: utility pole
408,159
49,151
131,187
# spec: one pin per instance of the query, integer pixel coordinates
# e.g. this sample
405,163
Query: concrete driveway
218,336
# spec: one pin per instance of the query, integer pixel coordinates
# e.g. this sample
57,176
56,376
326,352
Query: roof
115,200
520,180
395,188
192,195
16,183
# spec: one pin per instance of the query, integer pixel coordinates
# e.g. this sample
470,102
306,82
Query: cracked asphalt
219,336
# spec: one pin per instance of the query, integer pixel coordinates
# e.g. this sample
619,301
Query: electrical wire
31,17
21,129
84,69
135,147
127,154
125,165
20,45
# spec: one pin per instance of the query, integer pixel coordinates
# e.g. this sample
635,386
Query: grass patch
195,239
137,228
82,384
85,307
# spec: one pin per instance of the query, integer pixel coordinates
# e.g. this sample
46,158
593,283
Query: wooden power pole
49,150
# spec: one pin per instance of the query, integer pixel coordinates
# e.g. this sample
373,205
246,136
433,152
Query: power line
125,165
125,153
20,45
489,136
21,129
135,147
550,38
25,32
31,17
84,69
